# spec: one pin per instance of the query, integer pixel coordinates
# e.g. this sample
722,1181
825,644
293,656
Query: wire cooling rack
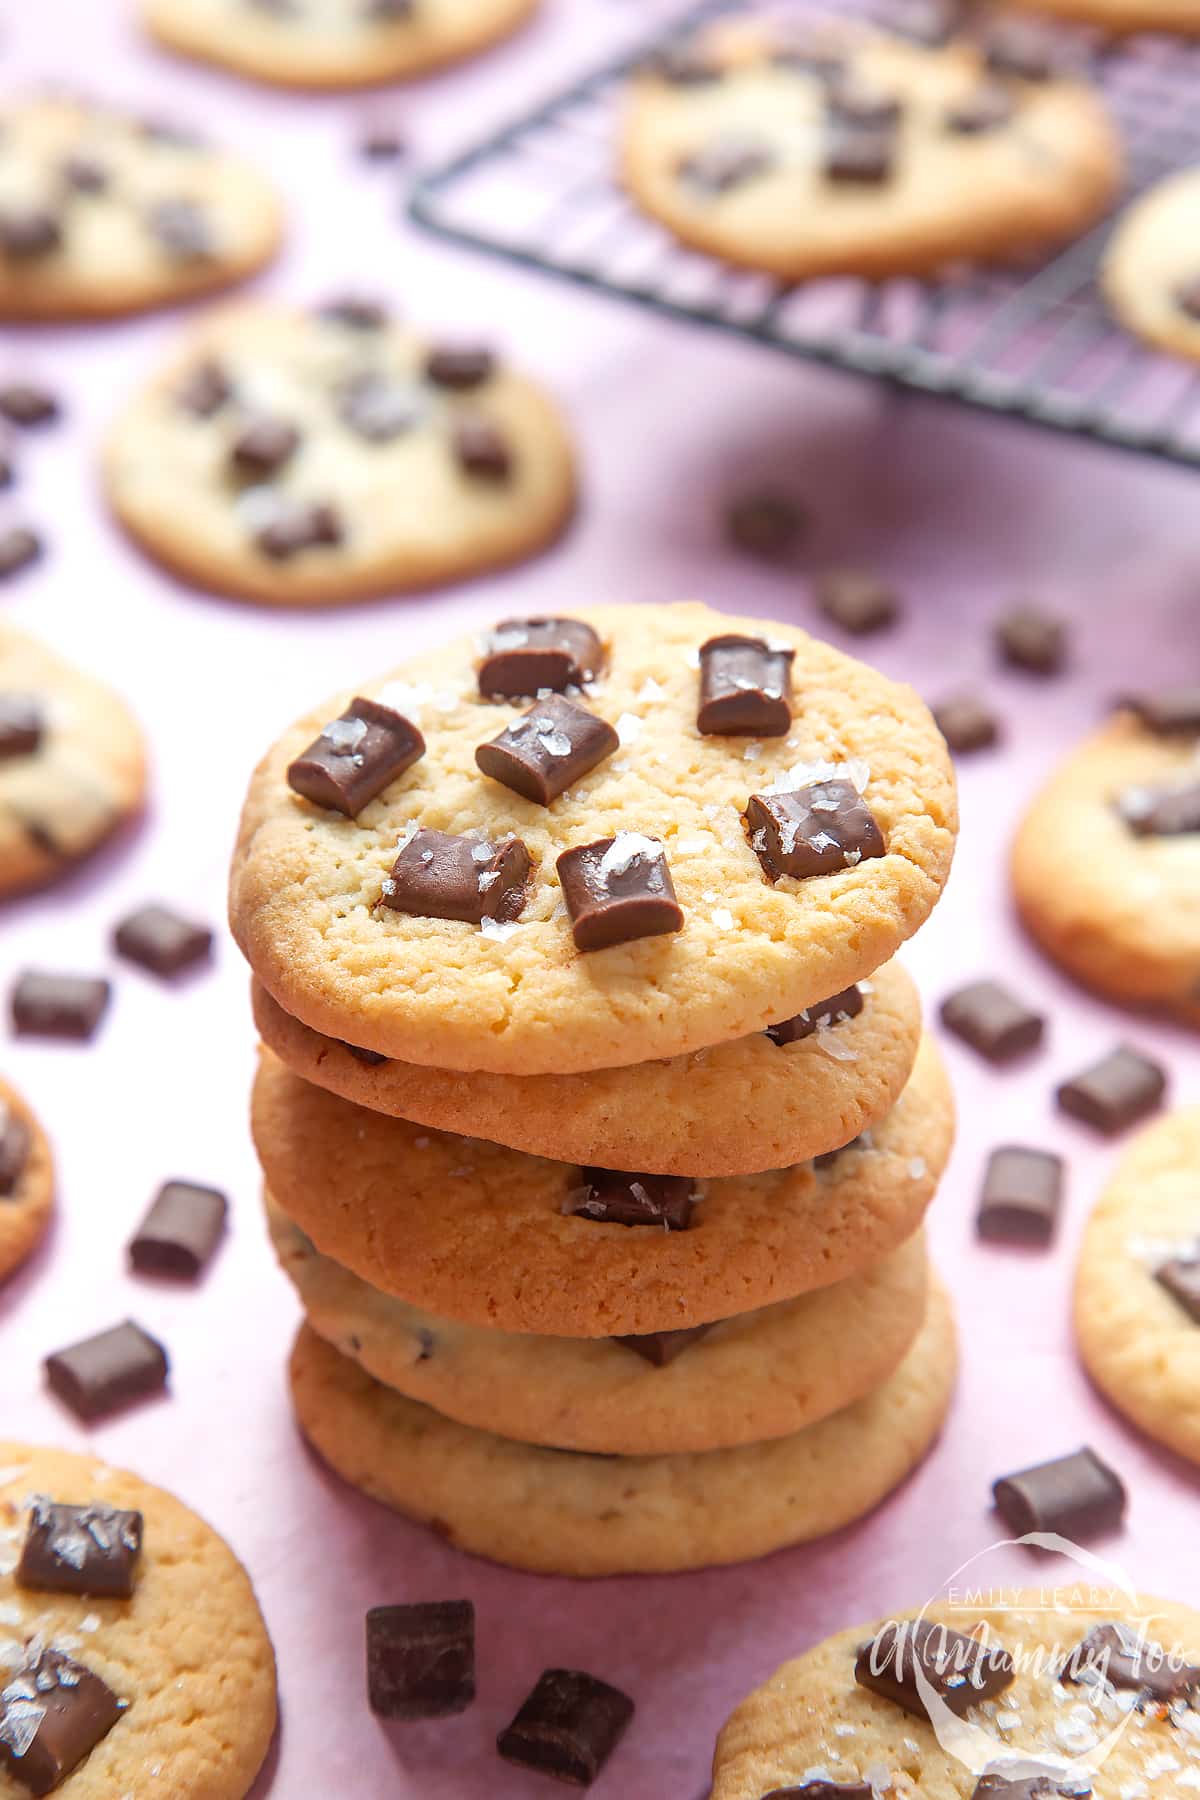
1038,344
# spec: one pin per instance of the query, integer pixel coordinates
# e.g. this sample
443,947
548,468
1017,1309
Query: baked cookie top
689,885
72,765
1120,16
26,1181
311,457
1151,270
1107,859
814,1720
332,43
141,1622
104,212
855,153
475,1232
1137,1294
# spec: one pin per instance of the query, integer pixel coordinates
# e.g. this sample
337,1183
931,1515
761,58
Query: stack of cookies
597,1125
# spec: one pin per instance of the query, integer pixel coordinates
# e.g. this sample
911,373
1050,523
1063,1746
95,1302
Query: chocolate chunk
540,754
381,142
459,366
180,1232
611,1198
1022,1192
967,723
378,409
371,1058
989,107
1117,1656
355,313
205,388
568,1727
960,1670
1035,1787
8,469
25,403
481,448
728,160
1173,712
863,108
28,233
1180,1275
1018,48
53,1712
857,601
107,1371
1169,811
169,134
1115,1092
182,227
439,876
91,1549
827,1158
1029,639
300,527
813,830
824,1790
162,941
355,757
662,1347
989,1017
862,154
798,50
765,524
84,175
683,64
263,447
1187,297
618,889
523,657
58,1006
1074,1496
16,1143
931,22
19,547
745,688
421,1659
846,1005
22,724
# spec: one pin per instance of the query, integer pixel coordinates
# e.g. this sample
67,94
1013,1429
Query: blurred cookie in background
1151,271
26,1182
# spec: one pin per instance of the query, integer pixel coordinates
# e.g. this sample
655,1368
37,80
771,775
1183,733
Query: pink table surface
966,514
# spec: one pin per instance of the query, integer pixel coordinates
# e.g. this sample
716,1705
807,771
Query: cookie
1137,1292
559,1512
764,1374
72,763
333,43
859,154
737,1109
1106,861
312,458
775,870
102,212
492,1237
814,1723
1151,273
26,1182
1117,17
143,1596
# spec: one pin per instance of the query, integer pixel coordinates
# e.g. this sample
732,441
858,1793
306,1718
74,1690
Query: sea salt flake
629,729
751,751
499,929
723,918
649,690
627,848
917,1169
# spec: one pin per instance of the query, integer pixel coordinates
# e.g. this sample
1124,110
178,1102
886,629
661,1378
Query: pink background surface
965,514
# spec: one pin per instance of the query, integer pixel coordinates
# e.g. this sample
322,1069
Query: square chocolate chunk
1075,1496
524,657
548,748
745,688
1117,1656
1168,811
860,154
967,723
813,830
481,448
58,1006
161,940
834,1011
440,876
1180,1276
1030,639
21,725
91,1549
53,1712
355,757
1022,1193
103,1373
824,1790
618,889
660,1348
16,1142
992,1020
1172,712
857,601
569,1726
960,1670
421,1659
1036,1787
180,1232
612,1198
728,160
1118,1091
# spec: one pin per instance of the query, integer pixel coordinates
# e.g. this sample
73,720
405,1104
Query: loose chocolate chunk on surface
26,403
381,142
16,1142
569,1726
1116,1656
813,830
107,1371
960,1670
1030,639
162,941
421,1659
22,723
1172,712
660,1348
745,688
354,312
611,1198
765,524
857,601
27,233
618,889
858,153
439,876
1180,1277
989,107
1115,1092
524,656
205,389
263,447
19,548
481,448
1076,1494
547,749
459,366
839,1007
85,174
183,229
992,1020
966,723
355,757
728,160
300,527
181,1230
1187,297
59,1006
1170,811
1022,1194
1036,1787
53,1711
92,1549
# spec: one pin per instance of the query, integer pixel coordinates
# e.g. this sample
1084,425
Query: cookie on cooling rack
1151,273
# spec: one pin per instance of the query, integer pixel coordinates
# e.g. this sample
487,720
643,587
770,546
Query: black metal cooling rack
1037,345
